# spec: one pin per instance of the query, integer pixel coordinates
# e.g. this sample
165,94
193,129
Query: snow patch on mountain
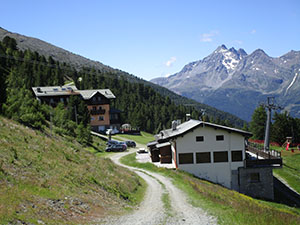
291,84
229,60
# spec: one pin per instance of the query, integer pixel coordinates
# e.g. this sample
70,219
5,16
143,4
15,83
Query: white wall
215,172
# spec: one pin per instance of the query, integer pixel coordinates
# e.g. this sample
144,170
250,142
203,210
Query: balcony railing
97,112
261,158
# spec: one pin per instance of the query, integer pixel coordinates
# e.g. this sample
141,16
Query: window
199,138
236,156
99,98
221,156
94,108
254,177
101,118
203,157
220,137
186,158
92,118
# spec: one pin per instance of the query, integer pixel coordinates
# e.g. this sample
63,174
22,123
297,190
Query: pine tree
257,124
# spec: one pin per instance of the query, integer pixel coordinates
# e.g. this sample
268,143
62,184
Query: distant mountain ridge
46,49
78,62
235,82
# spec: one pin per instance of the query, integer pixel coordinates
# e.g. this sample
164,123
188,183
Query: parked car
116,148
112,142
123,143
130,143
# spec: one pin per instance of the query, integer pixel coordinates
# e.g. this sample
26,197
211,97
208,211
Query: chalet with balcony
102,115
218,154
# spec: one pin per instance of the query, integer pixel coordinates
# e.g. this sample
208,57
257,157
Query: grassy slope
290,170
57,181
230,207
144,138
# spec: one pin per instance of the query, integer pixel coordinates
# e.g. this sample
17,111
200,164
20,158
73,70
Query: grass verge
230,207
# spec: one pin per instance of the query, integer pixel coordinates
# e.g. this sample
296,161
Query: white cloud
168,74
239,42
208,37
253,31
171,61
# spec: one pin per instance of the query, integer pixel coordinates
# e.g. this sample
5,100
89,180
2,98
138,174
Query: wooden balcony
97,112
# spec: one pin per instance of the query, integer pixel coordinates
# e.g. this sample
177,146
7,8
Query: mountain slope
53,180
46,49
233,81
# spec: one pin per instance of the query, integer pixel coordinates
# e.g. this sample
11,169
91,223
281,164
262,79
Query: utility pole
269,106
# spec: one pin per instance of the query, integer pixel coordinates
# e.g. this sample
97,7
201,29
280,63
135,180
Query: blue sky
155,38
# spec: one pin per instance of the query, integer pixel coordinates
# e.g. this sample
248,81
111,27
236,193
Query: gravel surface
152,211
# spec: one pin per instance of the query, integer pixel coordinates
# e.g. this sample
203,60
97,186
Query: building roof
87,94
192,124
55,91
70,90
163,144
151,143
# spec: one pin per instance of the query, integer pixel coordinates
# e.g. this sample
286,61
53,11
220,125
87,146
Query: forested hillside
78,62
142,105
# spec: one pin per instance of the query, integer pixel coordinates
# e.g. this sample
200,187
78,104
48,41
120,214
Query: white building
207,150
218,154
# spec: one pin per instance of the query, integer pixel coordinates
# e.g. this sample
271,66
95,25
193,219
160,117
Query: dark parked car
130,143
116,148
112,142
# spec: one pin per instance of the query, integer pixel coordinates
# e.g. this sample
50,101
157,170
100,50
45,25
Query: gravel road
152,210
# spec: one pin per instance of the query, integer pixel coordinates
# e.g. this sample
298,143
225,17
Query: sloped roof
54,90
70,90
87,94
192,124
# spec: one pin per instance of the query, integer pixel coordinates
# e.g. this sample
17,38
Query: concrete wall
216,172
257,189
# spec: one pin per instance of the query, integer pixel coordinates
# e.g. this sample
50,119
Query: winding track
152,211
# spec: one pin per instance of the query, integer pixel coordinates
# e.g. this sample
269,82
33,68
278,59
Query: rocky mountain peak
259,52
233,81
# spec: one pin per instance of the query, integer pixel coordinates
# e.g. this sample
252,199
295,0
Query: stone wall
256,182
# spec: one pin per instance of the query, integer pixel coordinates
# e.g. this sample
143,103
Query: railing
97,111
270,158
259,150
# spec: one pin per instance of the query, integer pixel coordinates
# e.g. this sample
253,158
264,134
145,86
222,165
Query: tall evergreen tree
257,124
283,127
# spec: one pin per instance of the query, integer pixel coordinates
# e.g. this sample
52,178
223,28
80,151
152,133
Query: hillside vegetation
53,180
65,65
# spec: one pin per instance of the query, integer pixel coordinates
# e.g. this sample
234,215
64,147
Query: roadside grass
143,138
56,180
230,207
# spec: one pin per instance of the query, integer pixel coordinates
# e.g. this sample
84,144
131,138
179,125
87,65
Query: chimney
174,125
188,117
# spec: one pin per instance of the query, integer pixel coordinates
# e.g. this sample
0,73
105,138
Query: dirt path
152,210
